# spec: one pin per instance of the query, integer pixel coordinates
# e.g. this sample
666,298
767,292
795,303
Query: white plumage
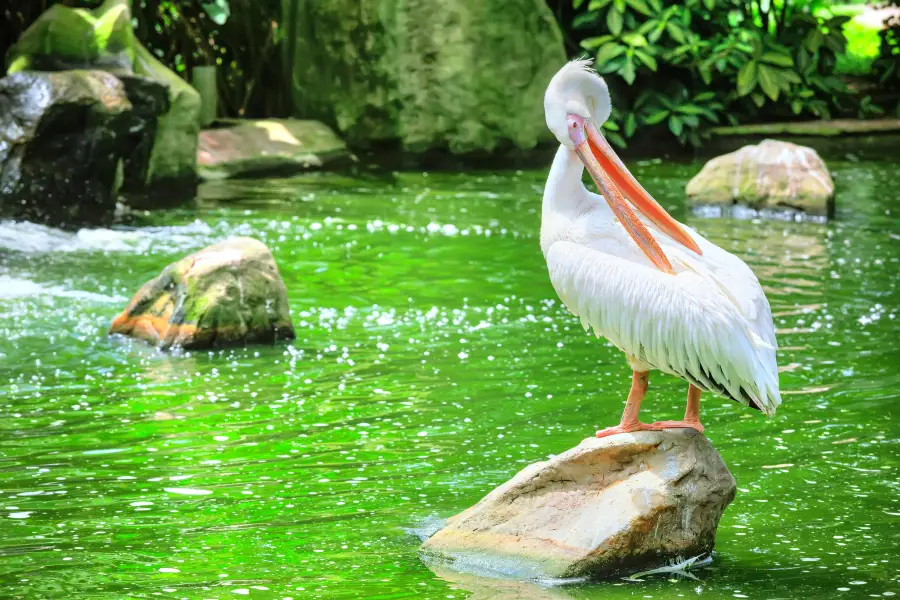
708,321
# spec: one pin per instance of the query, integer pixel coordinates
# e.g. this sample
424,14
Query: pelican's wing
680,324
734,278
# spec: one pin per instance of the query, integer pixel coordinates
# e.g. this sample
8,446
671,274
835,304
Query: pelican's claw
629,428
680,425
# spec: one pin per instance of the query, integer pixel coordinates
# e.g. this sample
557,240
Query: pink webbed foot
680,425
628,428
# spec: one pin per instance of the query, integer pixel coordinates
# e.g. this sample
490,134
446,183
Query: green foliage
685,65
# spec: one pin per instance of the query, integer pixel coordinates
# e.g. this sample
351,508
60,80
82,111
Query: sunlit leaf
768,81
758,99
614,21
630,125
746,78
627,72
646,59
640,6
609,52
776,58
676,126
675,31
635,40
657,117
218,11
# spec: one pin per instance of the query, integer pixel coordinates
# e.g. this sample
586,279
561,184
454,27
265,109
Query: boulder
610,506
227,294
771,174
61,145
248,148
446,75
167,109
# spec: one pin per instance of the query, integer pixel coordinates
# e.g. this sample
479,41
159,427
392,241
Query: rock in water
610,506
255,148
162,132
225,295
60,145
772,174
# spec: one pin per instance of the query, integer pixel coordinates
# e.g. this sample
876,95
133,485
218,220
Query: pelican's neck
564,189
564,197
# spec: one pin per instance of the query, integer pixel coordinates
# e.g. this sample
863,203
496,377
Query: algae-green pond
432,362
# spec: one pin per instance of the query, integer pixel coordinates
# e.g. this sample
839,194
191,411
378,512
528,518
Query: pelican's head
576,104
575,91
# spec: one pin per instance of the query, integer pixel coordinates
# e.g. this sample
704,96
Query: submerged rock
251,148
771,174
227,294
610,506
61,145
424,75
162,132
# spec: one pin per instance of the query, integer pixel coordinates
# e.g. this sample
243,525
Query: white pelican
656,289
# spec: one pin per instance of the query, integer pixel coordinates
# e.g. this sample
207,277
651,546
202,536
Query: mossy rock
254,148
463,75
72,38
771,174
60,146
227,294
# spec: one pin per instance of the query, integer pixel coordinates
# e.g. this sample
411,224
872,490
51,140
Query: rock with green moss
165,134
252,148
227,294
60,145
771,174
463,75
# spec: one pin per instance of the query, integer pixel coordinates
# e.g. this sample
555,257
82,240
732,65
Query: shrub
690,64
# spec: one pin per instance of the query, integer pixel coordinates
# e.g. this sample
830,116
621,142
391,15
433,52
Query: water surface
432,361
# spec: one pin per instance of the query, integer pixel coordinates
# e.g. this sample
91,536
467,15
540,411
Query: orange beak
614,179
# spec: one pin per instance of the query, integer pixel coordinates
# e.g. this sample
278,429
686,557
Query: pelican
655,288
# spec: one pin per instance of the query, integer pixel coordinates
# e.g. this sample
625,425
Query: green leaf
705,74
691,121
758,99
796,106
768,81
597,4
676,126
675,32
646,59
614,21
709,4
627,70
635,40
690,109
577,3
704,96
630,125
585,20
746,79
620,6
657,117
814,40
611,126
776,58
218,11
609,52
616,139
640,6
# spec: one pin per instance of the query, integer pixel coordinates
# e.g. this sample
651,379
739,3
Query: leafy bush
691,64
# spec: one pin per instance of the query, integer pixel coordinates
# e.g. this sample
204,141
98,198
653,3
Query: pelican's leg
691,413
629,423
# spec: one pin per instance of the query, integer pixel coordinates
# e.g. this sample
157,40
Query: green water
432,362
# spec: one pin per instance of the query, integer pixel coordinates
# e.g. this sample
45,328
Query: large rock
61,145
460,74
771,174
166,116
249,148
227,294
609,506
